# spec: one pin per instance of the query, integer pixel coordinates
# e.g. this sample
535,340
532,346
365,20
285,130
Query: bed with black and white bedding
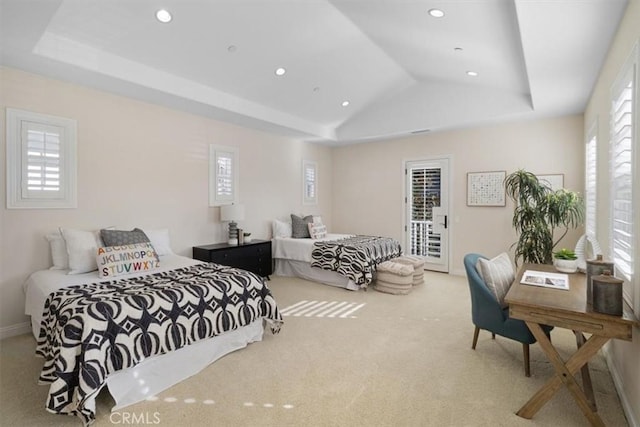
142,331
343,260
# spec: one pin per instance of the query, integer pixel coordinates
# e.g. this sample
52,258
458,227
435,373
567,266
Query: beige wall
147,166
624,357
143,165
373,202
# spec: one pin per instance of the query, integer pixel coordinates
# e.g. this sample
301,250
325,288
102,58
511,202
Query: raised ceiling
401,70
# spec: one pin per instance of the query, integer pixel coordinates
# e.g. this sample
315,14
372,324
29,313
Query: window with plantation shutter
622,135
425,195
309,183
41,160
590,181
223,175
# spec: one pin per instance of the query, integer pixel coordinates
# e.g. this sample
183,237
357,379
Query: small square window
41,161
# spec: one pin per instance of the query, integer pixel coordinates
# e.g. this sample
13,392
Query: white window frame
228,195
309,182
631,287
591,180
19,196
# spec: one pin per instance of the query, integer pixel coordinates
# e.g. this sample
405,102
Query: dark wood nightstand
254,256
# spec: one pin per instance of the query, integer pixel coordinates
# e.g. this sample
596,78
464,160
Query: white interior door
427,214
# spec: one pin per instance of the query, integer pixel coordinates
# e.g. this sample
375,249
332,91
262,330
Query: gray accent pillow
123,237
300,226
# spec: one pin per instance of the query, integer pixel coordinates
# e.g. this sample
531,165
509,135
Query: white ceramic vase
566,265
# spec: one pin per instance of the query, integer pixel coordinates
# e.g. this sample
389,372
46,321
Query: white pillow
115,261
58,251
160,240
82,247
498,274
281,228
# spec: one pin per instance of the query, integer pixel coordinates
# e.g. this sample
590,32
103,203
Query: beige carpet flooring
394,361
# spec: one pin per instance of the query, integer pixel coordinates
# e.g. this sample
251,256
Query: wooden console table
565,309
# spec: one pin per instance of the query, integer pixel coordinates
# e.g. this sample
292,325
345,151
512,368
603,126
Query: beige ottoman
394,278
418,267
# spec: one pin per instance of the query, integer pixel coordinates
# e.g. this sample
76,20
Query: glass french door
427,201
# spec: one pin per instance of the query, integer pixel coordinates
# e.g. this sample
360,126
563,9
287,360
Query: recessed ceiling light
163,16
280,71
231,48
472,74
436,13
457,49
345,103
316,89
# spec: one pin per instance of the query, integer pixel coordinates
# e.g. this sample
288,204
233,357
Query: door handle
445,222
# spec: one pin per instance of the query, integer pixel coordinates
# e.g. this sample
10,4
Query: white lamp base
232,241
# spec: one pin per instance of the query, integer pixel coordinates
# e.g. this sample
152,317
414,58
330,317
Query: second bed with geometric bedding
336,263
354,257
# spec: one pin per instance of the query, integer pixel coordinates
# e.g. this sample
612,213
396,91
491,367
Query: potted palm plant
539,211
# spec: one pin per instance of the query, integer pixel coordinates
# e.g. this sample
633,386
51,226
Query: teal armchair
487,314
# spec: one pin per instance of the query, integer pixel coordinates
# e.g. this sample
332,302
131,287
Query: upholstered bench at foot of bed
394,278
418,267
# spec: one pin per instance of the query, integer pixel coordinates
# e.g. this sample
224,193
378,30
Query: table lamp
232,213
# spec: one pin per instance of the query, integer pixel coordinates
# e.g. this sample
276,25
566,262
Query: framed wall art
486,188
555,181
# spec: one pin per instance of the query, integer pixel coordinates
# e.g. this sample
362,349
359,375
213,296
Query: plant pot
566,265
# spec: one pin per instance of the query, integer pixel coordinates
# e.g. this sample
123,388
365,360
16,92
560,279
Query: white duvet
299,249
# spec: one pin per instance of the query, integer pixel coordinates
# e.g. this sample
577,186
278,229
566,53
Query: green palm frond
538,212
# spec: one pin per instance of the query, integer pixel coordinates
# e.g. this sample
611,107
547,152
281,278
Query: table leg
564,375
587,386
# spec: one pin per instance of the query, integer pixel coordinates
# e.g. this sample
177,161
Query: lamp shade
232,213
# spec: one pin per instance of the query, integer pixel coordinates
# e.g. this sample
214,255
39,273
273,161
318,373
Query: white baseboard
13,330
617,381
458,272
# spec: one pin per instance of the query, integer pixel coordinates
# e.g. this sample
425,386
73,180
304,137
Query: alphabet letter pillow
317,230
116,261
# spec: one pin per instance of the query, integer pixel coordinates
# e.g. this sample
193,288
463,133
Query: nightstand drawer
254,256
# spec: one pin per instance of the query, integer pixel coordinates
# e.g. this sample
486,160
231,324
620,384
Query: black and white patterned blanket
91,331
354,257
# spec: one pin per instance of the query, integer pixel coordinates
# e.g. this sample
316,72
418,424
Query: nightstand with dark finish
254,256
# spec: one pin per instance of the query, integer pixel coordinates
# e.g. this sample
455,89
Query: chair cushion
498,274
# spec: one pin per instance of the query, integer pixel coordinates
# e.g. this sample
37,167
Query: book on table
546,279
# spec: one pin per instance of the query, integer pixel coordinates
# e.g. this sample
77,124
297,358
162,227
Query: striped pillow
498,274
